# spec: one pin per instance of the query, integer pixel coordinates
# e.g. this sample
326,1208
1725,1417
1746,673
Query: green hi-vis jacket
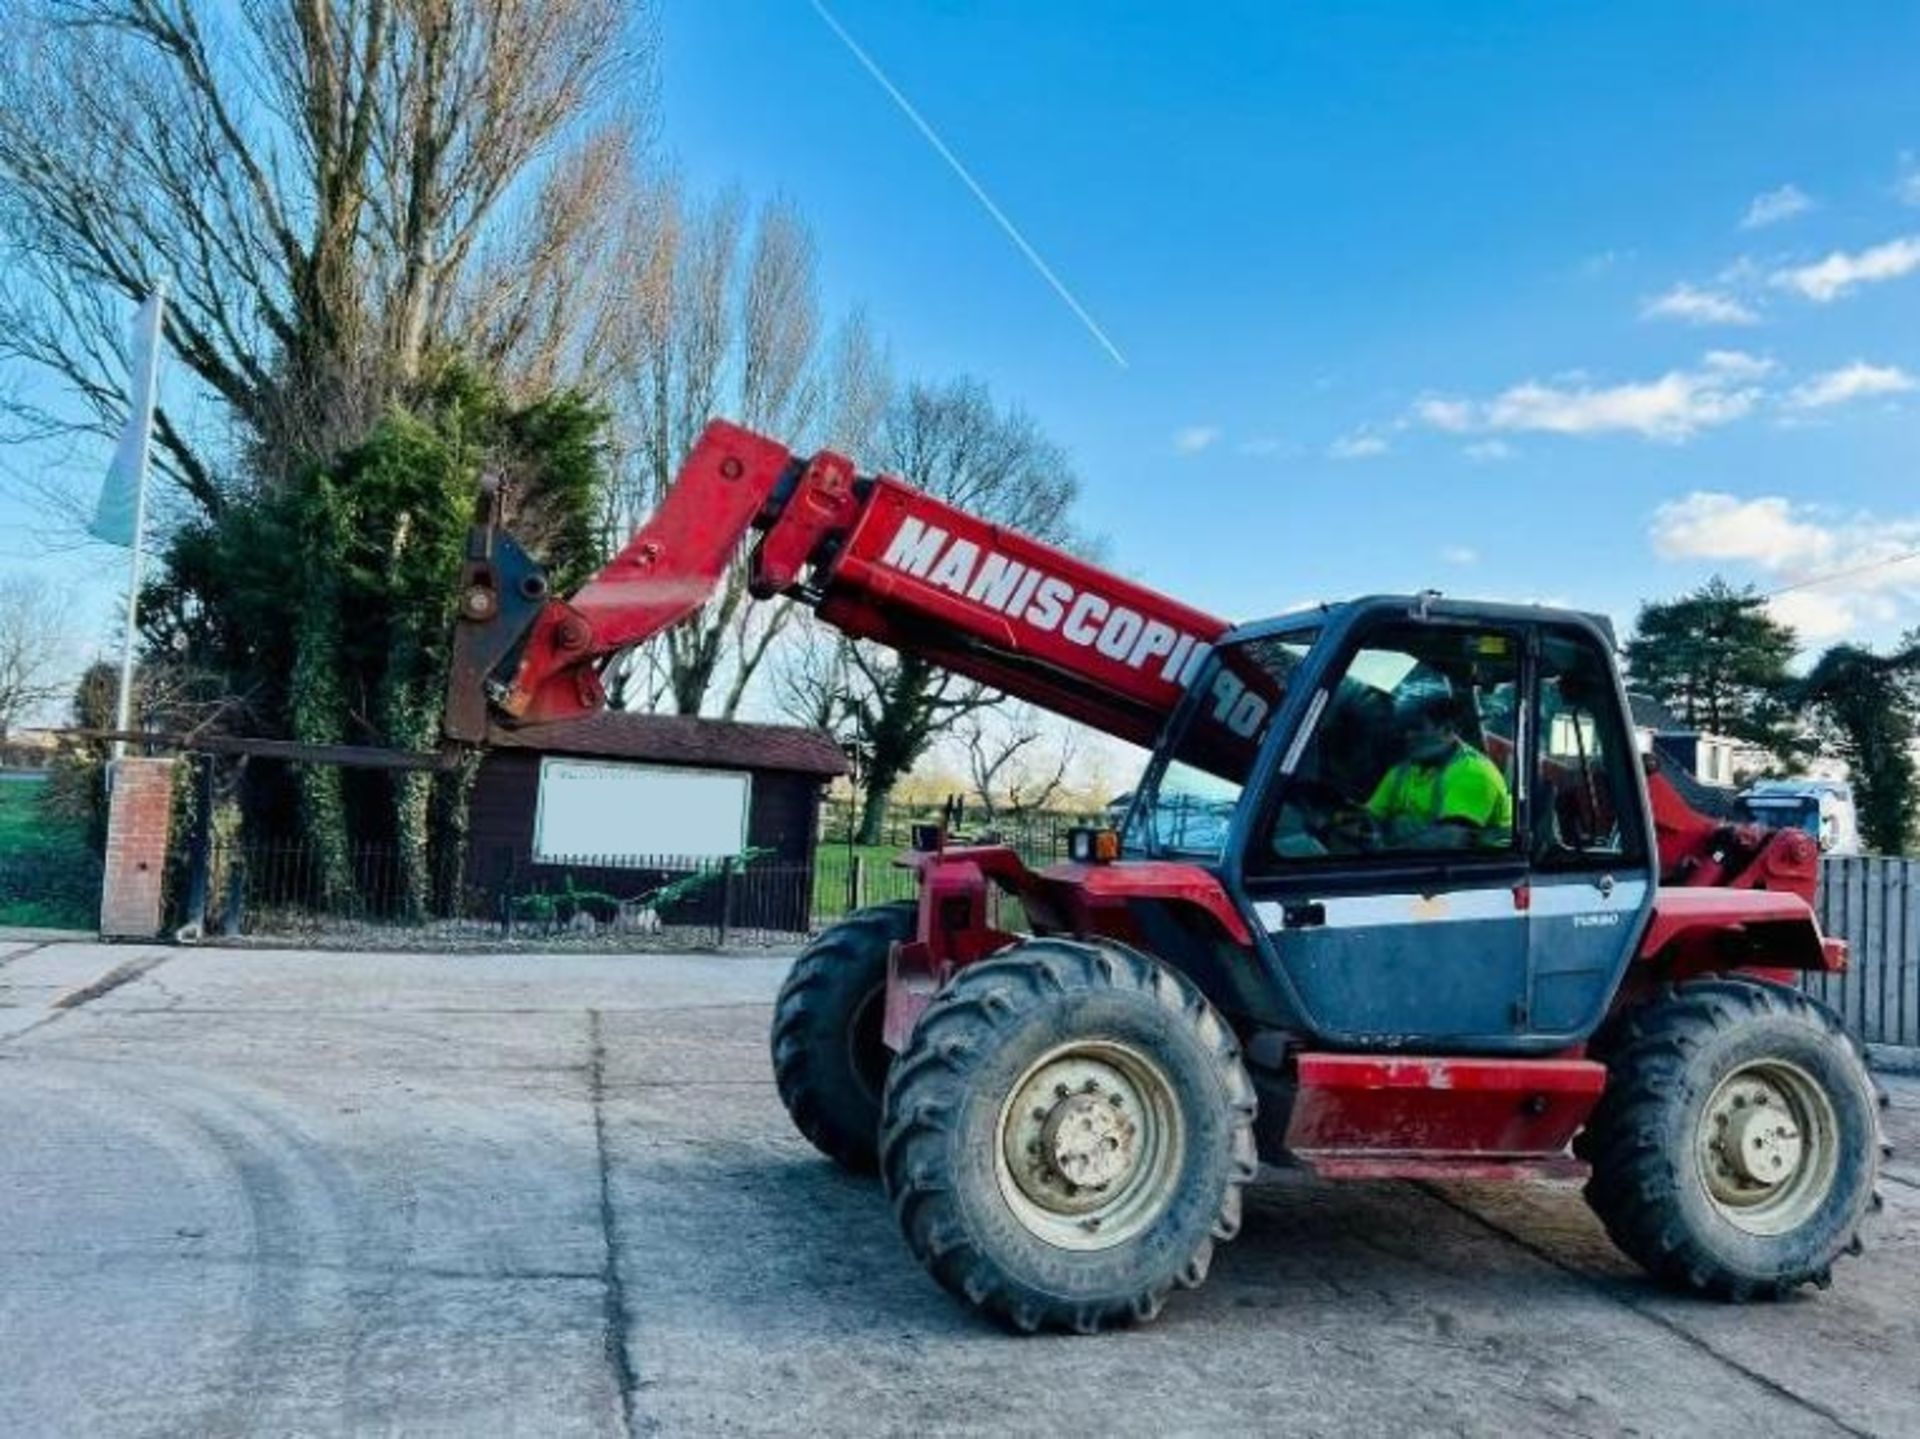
1466,786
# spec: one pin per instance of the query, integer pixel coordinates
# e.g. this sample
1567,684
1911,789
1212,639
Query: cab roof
1429,604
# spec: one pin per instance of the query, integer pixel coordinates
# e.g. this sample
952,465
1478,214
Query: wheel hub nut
1089,1142
1764,1144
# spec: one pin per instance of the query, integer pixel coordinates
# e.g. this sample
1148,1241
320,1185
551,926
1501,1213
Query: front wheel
829,1060
1735,1150
1066,1135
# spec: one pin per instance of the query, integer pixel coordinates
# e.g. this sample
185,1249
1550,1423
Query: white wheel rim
1767,1147
1091,1141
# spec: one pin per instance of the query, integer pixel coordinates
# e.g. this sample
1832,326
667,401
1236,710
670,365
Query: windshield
1191,788
1781,811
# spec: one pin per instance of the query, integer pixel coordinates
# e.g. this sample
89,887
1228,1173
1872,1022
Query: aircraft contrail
966,178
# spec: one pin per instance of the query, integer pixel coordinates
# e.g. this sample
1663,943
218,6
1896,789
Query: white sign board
597,809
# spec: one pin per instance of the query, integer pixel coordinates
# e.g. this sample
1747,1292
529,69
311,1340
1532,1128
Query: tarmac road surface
252,1192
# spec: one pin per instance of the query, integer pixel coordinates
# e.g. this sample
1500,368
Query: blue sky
1570,302
1514,300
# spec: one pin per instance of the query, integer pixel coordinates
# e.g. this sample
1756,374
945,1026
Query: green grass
27,833
25,827
45,914
884,881
833,854
20,821
832,861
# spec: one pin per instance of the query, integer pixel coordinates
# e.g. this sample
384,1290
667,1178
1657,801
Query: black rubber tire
993,1021
829,1062
1665,1059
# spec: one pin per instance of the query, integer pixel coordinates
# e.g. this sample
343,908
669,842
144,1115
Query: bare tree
325,187
34,649
1015,765
552,298
812,683
952,441
725,320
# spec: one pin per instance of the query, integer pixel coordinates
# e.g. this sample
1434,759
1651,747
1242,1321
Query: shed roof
1649,713
682,739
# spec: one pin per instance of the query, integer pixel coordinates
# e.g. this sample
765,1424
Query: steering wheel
1354,829
1335,822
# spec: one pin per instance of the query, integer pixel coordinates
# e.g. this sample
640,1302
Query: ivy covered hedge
326,608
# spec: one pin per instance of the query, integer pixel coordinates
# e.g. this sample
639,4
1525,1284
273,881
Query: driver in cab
1445,794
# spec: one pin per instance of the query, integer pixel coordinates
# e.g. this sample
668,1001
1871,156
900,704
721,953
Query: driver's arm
1477,801
1478,794
1387,795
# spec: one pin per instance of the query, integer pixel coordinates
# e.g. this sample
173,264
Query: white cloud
1838,567
1814,615
1460,555
1195,438
1454,416
1603,261
1698,307
1840,272
1907,188
1672,408
1850,382
1708,525
1358,446
1487,450
1738,363
1774,206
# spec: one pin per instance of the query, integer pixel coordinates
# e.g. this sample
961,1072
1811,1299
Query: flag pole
143,403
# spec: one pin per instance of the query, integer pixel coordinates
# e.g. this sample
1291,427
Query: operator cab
1429,812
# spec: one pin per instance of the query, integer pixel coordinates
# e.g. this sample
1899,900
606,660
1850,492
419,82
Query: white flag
115,518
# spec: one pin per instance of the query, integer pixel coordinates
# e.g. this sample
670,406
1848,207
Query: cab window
1413,753
1186,805
1585,798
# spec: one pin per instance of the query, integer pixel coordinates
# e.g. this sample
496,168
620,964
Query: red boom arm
876,558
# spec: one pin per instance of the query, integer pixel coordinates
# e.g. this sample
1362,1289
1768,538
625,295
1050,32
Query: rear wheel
829,1060
1067,1134
1735,1150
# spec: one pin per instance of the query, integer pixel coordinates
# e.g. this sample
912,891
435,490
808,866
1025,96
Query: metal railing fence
1037,834
373,894
367,894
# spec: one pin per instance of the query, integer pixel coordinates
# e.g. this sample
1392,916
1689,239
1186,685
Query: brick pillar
139,816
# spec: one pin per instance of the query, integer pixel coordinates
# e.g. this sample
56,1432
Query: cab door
1398,935
1591,842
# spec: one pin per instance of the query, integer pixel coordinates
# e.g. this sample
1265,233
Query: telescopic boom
874,557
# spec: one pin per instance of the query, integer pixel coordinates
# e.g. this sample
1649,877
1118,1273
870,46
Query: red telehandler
1291,951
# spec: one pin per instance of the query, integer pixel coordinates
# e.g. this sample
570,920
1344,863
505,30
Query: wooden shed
621,804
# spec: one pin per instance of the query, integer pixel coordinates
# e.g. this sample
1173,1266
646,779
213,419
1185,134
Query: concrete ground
246,1192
